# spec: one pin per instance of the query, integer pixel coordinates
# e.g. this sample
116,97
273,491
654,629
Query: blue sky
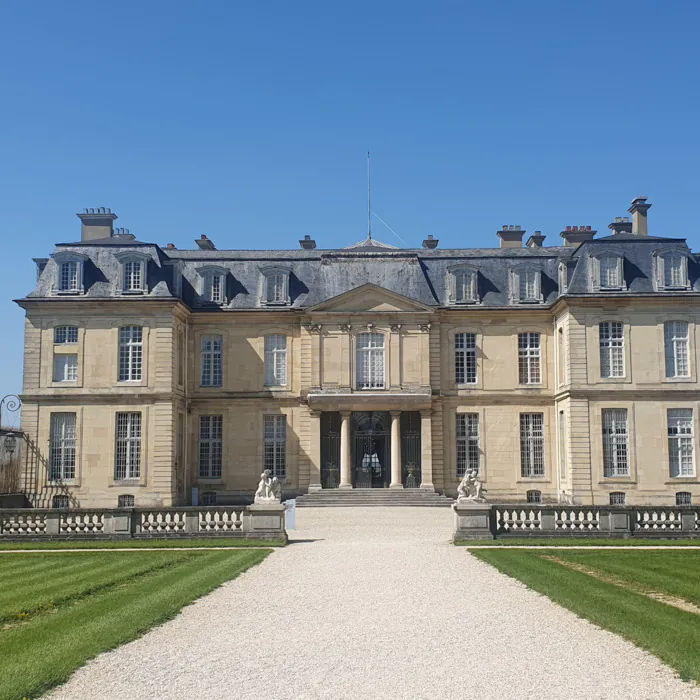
250,122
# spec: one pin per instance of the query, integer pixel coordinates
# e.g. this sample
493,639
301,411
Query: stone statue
470,489
269,489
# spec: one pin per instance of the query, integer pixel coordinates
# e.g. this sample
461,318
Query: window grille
275,445
529,358
212,369
610,270
618,498
275,360
370,361
65,335
62,447
207,498
684,498
681,442
60,500
181,357
276,288
125,501
214,288
612,350
128,447
534,496
210,441
130,353
676,345
468,458
615,442
65,368
69,276
464,286
133,275
531,444
465,358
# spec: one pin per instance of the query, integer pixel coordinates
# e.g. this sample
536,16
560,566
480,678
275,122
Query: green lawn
671,634
579,542
59,610
140,544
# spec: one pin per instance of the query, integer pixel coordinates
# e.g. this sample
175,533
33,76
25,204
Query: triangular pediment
370,297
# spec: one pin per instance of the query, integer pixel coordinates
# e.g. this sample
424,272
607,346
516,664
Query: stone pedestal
265,521
473,521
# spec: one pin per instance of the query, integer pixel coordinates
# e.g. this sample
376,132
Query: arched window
133,272
370,361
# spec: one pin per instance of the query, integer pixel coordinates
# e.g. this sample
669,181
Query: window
133,276
526,285
65,368
610,272
467,443
130,353
370,361
618,498
684,498
615,442
275,445
214,285
529,358
275,360
60,500
563,278
534,496
65,335
681,442
676,346
70,276
125,501
207,498
276,287
62,447
562,444
464,286
465,358
671,271
181,357
531,445
212,370
128,447
612,349
210,435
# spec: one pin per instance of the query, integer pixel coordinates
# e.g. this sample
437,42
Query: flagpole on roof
369,202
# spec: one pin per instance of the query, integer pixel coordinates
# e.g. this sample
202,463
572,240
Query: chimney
536,240
204,243
511,236
575,235
622,224
430,243
123,233
307,243
639,210
171,246
97,223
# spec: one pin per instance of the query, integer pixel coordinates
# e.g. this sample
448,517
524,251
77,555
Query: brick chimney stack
97,222
511,236
639,210
574,235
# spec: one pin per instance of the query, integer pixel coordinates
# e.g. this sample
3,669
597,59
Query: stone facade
367,356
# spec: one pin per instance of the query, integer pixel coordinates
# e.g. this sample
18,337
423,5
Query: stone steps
372,497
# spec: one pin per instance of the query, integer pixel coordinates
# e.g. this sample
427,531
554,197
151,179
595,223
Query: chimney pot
574,235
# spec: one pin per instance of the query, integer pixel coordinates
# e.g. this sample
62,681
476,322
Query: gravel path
375,603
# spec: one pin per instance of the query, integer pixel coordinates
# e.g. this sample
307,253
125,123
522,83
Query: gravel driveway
375,603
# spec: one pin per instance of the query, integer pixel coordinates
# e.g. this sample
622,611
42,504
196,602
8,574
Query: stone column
396,482
345,480
314,451
426,450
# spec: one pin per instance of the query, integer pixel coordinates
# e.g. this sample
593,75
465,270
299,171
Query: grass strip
579,542
45,652
143,543
671,634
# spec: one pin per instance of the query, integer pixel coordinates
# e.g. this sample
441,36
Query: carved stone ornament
470,489
425,327
269,489
344,327
395,328
314,328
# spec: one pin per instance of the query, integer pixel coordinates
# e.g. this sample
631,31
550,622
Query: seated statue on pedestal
470,489
269,489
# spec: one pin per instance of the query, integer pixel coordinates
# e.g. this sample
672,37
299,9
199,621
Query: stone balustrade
263,522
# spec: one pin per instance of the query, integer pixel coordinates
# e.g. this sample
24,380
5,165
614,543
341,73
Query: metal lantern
10,444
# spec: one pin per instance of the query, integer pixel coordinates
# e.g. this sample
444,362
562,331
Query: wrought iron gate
330,450
410,449
370,463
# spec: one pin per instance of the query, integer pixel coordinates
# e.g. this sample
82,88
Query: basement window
618,498
534,496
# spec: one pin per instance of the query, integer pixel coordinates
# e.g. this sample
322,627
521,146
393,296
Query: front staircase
372,497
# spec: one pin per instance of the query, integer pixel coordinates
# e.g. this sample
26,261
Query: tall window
467,443
615,442
276,291
676,345
214,287
128,447
464,286
529,358
681,442
133,274
210,435
531,444
370,361
610,270
69,276
62,447
212,370
275,445
465,358
526,285
65,368
275,360
65,335
130,353
612,350
672,271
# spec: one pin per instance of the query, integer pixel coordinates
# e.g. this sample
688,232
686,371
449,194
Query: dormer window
563,278
671,271
69,273
463,286
608,272
526,285
214,284
275,287
133,272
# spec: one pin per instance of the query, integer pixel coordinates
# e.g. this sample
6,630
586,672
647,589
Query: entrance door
371,455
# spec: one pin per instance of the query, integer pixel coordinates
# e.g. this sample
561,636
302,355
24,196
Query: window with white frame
681,442
531,445
60,500
275,360
467,431
276,287
464,286
465,358
65,368
618,498
275,445
676,348
615,442
125,501
128,446
69,274
210,441
62,447
370,361
534,496
610,272
671,271
65,335
130,353
684,498
212,360
612,349
214,285
526,285
134,266
529,358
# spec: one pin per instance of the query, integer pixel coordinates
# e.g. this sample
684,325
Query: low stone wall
489,521
262,522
